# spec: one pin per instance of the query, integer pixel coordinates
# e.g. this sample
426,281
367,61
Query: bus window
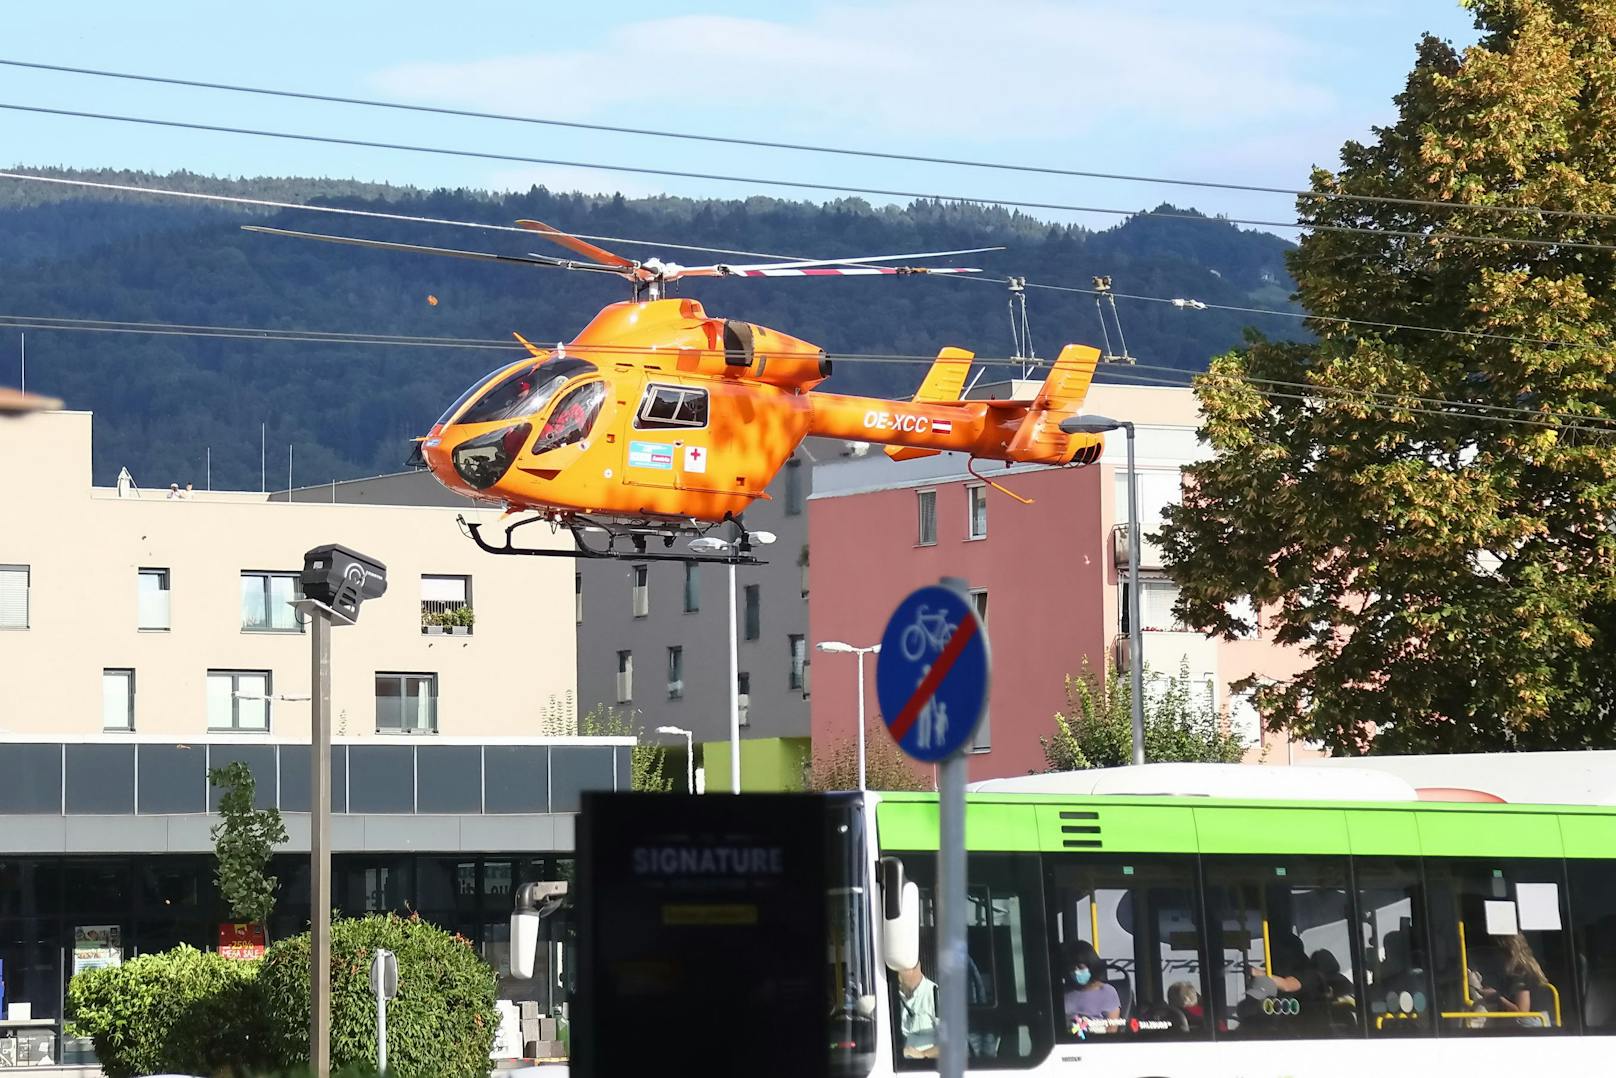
1396,952
1282,931
1499,947
1593,925
1139,915
1007,990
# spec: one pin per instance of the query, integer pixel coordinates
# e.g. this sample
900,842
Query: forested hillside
162,401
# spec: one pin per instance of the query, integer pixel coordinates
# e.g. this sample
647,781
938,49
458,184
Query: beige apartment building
125,610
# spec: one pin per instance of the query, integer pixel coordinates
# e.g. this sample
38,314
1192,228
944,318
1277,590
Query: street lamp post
709,544
1099,424
836,646
690,754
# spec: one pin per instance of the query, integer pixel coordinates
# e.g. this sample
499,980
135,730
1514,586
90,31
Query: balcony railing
1122,547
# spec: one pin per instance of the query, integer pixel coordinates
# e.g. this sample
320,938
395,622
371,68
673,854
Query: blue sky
1244,91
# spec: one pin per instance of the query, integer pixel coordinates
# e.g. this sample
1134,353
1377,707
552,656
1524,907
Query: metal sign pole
320,851
951,901
381,1032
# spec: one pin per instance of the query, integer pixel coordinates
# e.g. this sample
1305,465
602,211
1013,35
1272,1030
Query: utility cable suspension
805,185
884,155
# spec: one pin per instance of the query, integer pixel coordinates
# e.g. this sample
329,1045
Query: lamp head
834,645
1090,424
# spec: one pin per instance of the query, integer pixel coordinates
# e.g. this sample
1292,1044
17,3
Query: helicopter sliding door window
666,407
926,505
406,703
642,590
238,700
976,498
266,603
13,596
625,677
152,602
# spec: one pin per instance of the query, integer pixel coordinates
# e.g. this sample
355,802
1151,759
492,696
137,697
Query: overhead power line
884,155
805,185
1177,301
1170,377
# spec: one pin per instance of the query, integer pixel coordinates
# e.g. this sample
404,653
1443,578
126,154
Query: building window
625,676
406,703
982,739
692,587
13,596
154,608
799,663
976,499
578,597
642,590
266,603
926,503
793,487
446,603
1156,601
802,563
117,699
676,673
979,603
743,697
238,700
754,613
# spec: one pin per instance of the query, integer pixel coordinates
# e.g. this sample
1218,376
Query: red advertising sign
241,941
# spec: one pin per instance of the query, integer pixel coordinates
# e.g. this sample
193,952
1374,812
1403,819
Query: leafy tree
1450,575
243,842
835,766
1096,729
648,762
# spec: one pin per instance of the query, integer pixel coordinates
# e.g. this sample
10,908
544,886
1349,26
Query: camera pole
320,850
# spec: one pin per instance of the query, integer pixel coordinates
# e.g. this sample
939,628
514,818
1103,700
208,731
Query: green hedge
179,1012
441,1023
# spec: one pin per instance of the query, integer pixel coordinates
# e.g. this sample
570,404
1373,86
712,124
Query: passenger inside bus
1090,1004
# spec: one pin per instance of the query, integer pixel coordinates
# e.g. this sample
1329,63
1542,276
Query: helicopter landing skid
637,537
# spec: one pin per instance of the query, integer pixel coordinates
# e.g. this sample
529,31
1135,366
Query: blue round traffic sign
932,673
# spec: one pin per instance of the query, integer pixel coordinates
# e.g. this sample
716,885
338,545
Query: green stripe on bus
1276,830
1588,836
1495,833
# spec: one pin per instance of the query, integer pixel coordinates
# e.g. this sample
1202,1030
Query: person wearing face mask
1092,1005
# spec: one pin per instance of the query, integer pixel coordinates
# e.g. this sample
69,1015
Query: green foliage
243,842
440,1025
120,256
835,766
648,762
178,1012
1096,730
1451,577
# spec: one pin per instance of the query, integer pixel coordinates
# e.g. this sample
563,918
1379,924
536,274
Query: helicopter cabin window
525,390
671,406
573,418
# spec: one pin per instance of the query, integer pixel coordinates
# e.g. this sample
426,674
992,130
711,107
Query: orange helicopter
658,419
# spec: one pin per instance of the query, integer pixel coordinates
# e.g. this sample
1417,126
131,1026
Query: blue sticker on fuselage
650,455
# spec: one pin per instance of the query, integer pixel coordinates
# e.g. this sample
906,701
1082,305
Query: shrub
178,1012
441,1023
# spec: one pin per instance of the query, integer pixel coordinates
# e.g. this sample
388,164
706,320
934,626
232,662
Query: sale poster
241,941
96,947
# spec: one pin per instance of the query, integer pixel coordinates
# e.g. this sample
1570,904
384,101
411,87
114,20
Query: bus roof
1245,782
1584,777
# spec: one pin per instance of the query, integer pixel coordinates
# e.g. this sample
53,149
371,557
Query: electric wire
1168,377
806,185
984,279
885,155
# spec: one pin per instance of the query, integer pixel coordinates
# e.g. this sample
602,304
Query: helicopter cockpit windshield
523,391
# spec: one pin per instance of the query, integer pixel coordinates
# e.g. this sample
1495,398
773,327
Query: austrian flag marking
942,426
695,458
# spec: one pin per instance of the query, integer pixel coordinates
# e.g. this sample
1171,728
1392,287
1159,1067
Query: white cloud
1001,73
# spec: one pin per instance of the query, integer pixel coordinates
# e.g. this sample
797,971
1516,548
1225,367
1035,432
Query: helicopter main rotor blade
823,271
573,243
481,256
800,263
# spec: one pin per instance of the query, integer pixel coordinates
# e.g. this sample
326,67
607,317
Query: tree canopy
1428,514
1096,729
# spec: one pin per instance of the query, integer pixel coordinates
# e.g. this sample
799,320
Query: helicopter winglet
534,350
942,385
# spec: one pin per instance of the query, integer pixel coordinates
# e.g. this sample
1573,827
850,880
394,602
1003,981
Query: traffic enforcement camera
342,579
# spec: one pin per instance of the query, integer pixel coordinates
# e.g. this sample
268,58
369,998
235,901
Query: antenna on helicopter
1103,297
1020,332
